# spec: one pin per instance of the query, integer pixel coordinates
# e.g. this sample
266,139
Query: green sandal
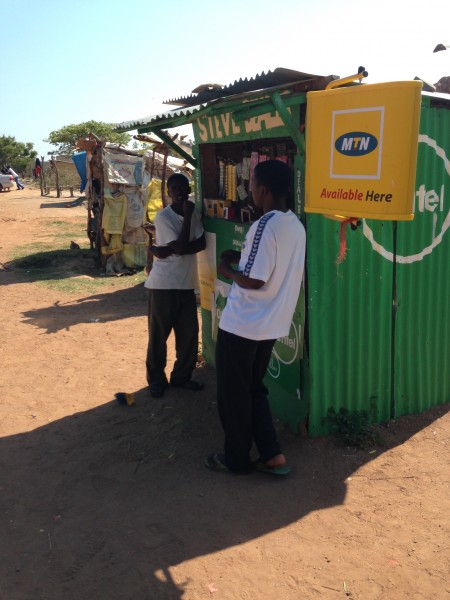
279,471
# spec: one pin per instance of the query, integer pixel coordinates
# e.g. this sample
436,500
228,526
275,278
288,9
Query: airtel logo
429,200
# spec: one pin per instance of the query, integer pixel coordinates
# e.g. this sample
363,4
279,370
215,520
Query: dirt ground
102,501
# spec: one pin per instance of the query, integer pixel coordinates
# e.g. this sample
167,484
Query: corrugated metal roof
169,116
438,98
244,88
279,76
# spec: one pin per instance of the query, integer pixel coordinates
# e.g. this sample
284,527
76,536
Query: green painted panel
223,127
348,323
208,344
283,376
227,234
422,325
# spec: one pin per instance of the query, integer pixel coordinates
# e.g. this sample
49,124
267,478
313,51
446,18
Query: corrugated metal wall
349,323
378,327
422,331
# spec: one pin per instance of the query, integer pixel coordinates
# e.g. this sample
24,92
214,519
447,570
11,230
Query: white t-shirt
174,272
274,252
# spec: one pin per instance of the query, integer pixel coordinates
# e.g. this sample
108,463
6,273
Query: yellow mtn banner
361,150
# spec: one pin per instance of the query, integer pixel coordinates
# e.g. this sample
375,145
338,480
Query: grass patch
49,261
72,228
54,235
29,250
55,266
62,224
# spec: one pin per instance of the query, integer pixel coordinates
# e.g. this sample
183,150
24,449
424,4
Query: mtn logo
356,143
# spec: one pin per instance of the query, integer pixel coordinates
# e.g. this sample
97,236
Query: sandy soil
102,501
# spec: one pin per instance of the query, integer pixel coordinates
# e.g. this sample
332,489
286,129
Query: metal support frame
298,138
280,103
241,112
255,109
168,140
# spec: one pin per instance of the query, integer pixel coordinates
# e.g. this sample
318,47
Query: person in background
171,282
259,309
37,168
16,178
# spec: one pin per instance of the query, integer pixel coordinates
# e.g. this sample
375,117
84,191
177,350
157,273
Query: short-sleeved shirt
176,272
273,252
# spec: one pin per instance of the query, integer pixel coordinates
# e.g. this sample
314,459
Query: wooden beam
287,119
168,140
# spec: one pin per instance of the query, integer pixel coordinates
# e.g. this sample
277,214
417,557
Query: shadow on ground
51,265
112,498
108,306
67,204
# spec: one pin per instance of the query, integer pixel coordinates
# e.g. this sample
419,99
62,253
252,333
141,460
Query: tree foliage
16,154
66,138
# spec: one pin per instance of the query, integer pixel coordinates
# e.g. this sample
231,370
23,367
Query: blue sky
113,61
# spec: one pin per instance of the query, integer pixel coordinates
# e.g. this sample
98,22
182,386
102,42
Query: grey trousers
167,310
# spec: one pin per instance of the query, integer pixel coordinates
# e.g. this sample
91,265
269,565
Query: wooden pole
58,191
42,177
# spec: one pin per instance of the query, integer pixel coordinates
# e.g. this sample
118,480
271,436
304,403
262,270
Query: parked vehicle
6,182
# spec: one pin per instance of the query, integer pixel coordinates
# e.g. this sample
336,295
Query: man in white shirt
171,283
16,178
259,309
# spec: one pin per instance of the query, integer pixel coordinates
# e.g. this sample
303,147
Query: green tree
16,154
66,138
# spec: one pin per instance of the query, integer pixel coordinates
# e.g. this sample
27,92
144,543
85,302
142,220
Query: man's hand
224,268
227,258
230,256
149,229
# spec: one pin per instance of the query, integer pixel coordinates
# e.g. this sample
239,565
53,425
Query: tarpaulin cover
124,169
80,164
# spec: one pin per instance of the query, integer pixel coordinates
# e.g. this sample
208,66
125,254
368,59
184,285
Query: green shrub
353,428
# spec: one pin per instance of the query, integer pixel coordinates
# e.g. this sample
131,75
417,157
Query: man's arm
158,251
180,245
225,269
195,246
161,251
192,248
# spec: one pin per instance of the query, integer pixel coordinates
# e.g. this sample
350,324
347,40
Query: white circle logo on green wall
285,351
274,367
426,200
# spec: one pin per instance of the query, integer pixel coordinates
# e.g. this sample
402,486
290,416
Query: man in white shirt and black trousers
171,283
259,309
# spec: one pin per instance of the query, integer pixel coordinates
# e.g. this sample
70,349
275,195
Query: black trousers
167,310
244,409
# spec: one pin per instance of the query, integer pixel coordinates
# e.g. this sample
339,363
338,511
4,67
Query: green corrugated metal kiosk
369,334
